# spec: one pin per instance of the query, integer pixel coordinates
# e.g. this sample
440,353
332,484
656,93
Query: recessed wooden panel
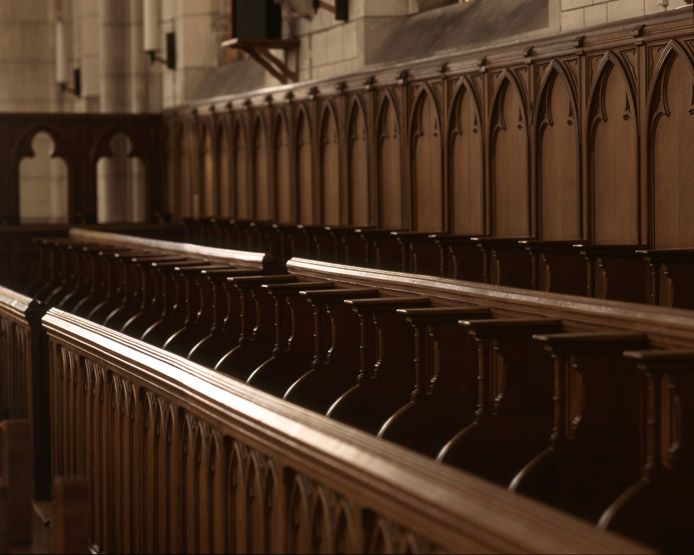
559,166
509,166
358,160
210,202
261,181
304,171
389,168
184,175
467,167
673,156
614,161
225,159
427,170
330,170
243,205
285,200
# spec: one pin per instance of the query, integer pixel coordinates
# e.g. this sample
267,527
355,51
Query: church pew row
233,469
618,272
361,373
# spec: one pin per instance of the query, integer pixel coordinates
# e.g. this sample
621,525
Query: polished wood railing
182,458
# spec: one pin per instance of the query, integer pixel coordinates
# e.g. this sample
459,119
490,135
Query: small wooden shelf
259,50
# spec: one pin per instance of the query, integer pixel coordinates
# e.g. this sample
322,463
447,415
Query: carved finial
444,67
369,82
289,96
268,99
403,76
229,106
341,87
213,109
247,103
313,92
482,65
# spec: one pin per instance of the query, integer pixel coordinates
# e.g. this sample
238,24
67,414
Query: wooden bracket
259,50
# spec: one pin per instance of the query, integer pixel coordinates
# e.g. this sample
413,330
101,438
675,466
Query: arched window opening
43,184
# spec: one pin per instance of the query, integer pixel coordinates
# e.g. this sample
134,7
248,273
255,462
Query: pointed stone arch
304,167
358,177
330,186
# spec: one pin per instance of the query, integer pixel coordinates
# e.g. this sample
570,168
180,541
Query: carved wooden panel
183,180
389,167
427,165
466,164
304,165
358,170
286,201
510,190
210,200
225,172
330,169
264,209
614,158
559,167
243,199
673,169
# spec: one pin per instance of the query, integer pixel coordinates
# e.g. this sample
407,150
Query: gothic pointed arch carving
241,196
358,178
262,192
329,160
670,132
389,163
510,195
466,195
285,195
304,167
426,150
558,158
613,159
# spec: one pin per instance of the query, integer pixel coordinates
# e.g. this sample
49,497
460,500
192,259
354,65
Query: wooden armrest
498,241
675,360
414,235
670,255
539,245
333,296
287,289
443,314
386,304
177,264
257,281
607,250
376,233
222,275
198,269
516,327
591,342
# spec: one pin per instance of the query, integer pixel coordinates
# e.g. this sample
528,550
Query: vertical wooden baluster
204,463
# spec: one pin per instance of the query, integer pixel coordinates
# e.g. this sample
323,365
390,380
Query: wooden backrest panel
264,198
559,168
561,137
276,477
330,190
286,199
672,121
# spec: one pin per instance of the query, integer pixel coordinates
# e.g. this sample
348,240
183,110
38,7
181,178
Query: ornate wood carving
613,156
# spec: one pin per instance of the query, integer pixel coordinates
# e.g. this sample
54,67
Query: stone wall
577,14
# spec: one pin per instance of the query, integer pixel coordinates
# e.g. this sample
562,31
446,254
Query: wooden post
71,515
15,483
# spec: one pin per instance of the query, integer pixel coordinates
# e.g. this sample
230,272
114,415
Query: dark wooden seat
444,383
335,362
257,312
380,386
513,416
593,453
615,272
670,276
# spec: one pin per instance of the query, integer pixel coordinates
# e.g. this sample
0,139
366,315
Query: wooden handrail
320,466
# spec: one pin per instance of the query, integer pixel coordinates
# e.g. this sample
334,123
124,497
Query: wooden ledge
386,304
509,327
443,314
333,296
591,342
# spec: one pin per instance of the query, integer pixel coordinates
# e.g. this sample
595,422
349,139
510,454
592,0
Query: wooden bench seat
513,417
593,453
